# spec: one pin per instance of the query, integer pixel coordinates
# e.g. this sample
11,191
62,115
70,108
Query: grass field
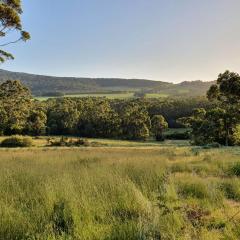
117,192
156,95
123,95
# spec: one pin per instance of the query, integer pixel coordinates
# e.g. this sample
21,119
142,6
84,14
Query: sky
167,40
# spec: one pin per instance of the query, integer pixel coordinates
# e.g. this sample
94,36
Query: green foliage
173,109
140,94
62,117
86,117
105,118
158,124
16,104
36,122
135,121
66,142
218,124
231,189
195,190
10,12
16,141
97,118
235,169
236,135
209,127
227,93
62,221
227,89
176,135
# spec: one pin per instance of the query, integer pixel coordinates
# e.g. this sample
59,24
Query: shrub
66,142
82,142
195,190
17,141
160,138
211,145
62,220
231,189
235,169
178,136
236,135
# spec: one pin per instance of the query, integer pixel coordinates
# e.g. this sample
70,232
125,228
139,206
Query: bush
231,189
17,141
194,190
178,136
160,138
235,169
66,142
236,135
211,145
82,142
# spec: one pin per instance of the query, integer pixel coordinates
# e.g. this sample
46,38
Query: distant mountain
40,85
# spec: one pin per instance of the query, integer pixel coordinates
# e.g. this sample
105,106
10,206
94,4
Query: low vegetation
120,193
17,141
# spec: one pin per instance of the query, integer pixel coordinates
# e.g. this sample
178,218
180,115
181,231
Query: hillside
41,85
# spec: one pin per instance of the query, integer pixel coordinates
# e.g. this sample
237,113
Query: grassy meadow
120,95
153,192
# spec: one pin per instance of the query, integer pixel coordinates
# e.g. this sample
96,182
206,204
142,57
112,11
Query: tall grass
114,193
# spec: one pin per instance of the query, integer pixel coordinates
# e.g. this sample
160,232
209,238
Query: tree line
221,123
134,119
215,119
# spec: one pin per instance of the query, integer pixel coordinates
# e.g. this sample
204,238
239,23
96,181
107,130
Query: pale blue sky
168,40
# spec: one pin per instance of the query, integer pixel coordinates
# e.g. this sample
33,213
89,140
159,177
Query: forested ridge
41,85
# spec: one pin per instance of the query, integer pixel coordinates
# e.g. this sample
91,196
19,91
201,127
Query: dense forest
40,85
212,119
87,117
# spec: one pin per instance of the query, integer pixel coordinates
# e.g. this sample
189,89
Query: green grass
119,192
42,142
123,95
157,95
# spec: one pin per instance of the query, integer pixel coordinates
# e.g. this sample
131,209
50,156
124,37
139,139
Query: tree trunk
227,134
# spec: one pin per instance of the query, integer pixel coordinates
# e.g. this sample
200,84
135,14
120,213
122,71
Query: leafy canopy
10,19
218,124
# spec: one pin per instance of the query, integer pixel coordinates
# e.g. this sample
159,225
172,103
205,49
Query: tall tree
158,123
98,119
16,104
226,92
135,121
10,19
37,120
63,116
219,123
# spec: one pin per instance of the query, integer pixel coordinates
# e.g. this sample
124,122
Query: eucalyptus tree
158,124
10,21
16,104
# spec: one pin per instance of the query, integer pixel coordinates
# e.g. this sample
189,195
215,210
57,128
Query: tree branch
6,44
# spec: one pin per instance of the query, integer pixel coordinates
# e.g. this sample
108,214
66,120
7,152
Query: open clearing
118,192
123,95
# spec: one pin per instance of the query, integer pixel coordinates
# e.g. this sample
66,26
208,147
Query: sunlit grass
161,192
